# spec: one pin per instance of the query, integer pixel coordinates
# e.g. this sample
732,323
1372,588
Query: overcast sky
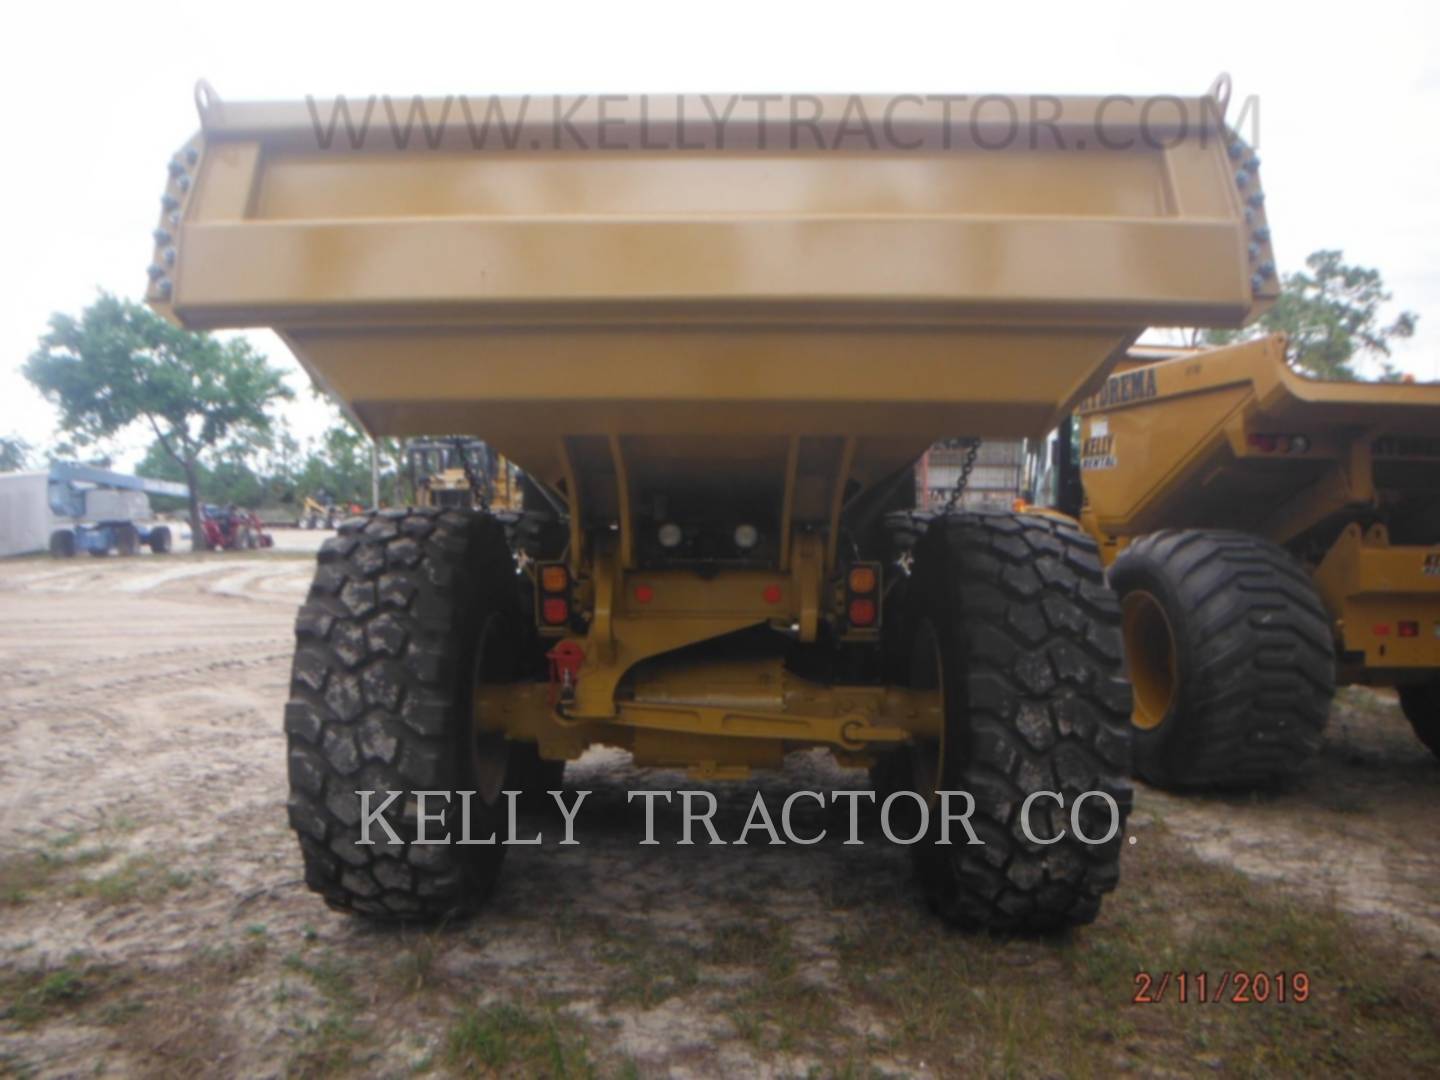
98,98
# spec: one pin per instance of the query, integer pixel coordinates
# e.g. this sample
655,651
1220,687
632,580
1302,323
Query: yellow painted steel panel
1165,445
767,276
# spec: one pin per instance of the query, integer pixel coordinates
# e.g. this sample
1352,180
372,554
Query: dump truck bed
1234,438
711,292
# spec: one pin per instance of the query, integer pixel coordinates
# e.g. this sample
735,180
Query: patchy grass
30,874
413,970
1066,1006
744,943
140,879
510,1040
781,1007
646,967
879,988
329,1043
832,970
57,866
31,997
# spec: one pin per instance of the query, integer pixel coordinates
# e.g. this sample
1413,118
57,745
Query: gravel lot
152,919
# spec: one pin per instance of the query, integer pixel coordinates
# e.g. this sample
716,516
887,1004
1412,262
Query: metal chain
972,451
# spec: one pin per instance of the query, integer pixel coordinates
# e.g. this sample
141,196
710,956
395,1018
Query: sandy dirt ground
155,921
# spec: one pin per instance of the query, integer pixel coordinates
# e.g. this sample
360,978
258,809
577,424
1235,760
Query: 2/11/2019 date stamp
1231,987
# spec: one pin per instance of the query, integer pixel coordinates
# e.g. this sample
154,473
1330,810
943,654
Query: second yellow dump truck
1269,536
718,349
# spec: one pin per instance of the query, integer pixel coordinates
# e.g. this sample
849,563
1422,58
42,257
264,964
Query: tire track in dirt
277,652
1348,828
28,678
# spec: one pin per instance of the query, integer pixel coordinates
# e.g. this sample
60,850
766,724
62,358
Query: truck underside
717,366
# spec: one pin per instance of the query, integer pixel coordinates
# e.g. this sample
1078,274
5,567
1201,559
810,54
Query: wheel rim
1150,648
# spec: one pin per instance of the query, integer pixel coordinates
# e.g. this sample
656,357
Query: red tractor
232,529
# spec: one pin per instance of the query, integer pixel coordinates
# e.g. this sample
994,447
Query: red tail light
1408,629
862,596
555,610
862,612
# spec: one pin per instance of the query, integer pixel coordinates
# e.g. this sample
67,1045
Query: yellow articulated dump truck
719,353
1268,535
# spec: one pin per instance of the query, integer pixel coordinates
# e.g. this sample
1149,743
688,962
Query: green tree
118,364
1330,314
285,466
14,453
338,465
395,471
67,451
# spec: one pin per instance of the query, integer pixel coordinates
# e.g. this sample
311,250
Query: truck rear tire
160,540
1231,656
1011,620
62,544
1421,705
409,610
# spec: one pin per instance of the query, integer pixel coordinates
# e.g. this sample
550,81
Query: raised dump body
715,346
1343,477
707,304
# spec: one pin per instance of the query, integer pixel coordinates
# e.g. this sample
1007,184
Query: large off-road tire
900,531
161,540
62,544
1011,620
536,534
1231,655
1421,704
408,610
903,530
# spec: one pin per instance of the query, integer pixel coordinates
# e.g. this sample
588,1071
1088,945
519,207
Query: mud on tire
380,700
1013,612
1253,658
